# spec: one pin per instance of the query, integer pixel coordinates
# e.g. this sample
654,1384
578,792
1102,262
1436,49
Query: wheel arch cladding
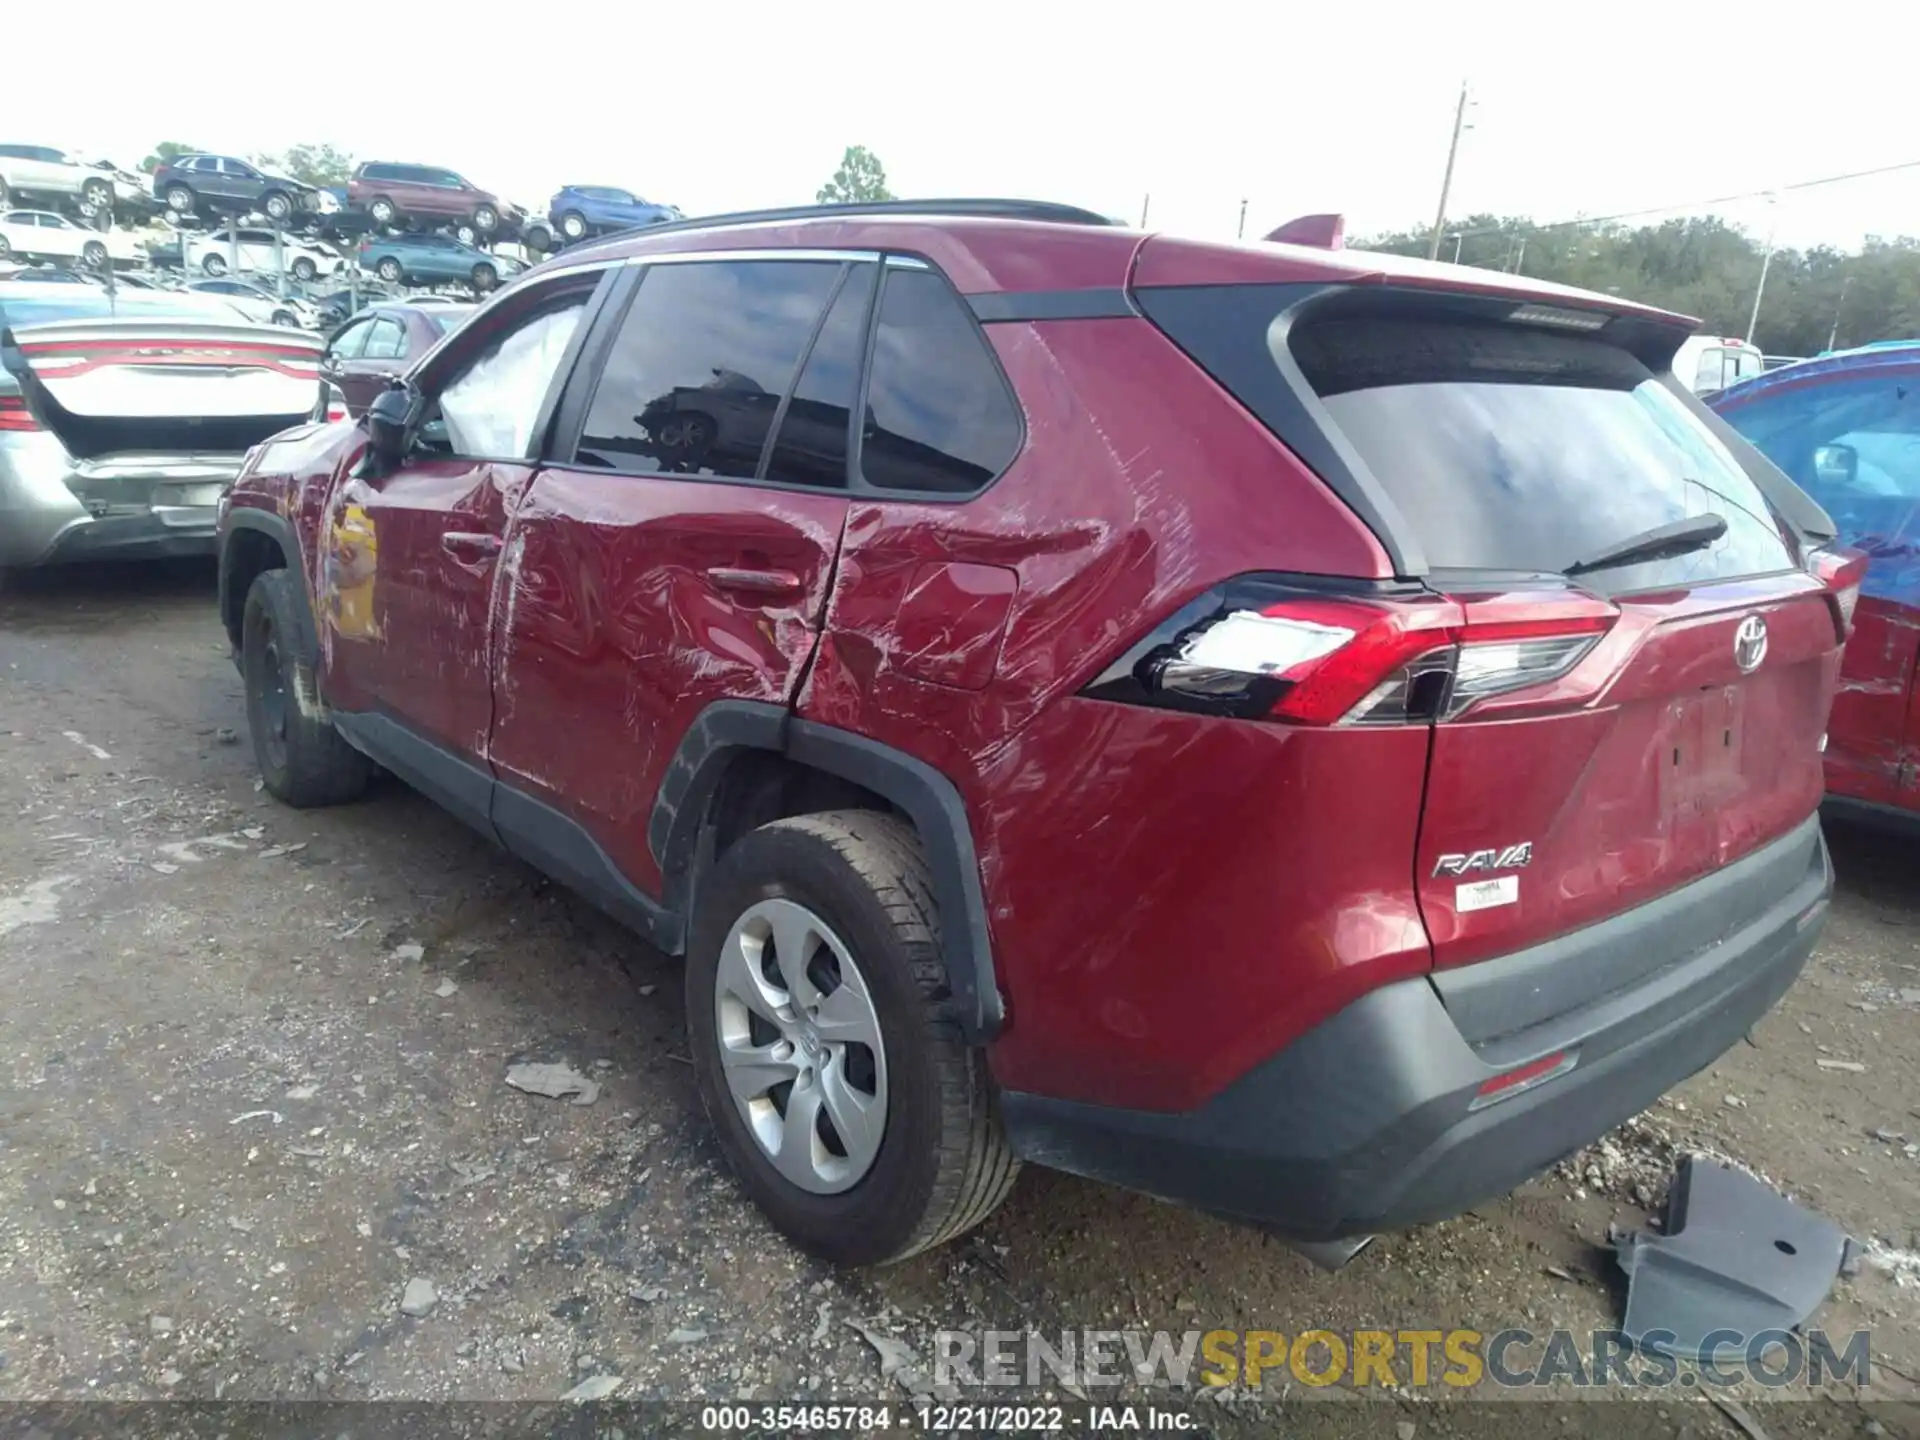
255,541
677,830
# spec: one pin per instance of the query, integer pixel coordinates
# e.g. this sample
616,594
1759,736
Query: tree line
1814,300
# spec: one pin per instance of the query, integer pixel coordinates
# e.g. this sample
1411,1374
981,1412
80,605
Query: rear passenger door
681,551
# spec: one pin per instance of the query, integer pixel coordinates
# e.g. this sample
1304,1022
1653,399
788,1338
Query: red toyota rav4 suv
1305,733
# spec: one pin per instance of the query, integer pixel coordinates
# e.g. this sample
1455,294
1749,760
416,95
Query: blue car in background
434,260
578,211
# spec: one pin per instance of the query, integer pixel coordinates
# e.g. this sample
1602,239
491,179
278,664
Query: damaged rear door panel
679,552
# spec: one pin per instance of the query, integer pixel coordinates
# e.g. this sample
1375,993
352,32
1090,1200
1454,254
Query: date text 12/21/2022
944,1419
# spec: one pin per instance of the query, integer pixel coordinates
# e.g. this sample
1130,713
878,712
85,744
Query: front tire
485,277
891,1151
214,265
95,196
304,270
302,759
486,219
93,255
278,206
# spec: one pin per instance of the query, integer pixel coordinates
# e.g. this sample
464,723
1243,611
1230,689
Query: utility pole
1145,202
1833,335
1446,182
1241,233
1766,261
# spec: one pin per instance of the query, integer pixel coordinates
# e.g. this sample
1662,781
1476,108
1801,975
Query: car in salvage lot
124,418
204,184
1441,684
44,235
433,259
214,253
46,173
1846,429
380,343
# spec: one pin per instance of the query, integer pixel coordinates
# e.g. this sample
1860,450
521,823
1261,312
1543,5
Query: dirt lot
239,1114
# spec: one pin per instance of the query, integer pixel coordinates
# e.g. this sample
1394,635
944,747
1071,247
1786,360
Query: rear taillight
1841,570
336,412
15,416
1255,651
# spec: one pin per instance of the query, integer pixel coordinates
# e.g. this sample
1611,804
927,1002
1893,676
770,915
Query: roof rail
1046,210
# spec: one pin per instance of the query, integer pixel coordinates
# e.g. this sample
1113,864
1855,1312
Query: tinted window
388,340
1853,443
939,417
702,358
811,445
489,408
1513,449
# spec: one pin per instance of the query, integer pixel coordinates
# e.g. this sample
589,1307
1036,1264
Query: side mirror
1836,464
388,421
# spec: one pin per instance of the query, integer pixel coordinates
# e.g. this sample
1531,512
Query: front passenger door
417,547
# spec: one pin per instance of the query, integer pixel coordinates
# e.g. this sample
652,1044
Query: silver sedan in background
125,416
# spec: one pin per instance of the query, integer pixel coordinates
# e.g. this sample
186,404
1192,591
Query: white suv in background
42,172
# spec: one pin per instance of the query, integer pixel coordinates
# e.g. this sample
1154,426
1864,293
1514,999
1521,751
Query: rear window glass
1510,449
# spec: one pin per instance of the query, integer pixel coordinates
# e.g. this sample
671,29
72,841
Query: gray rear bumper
54,508
1369,1121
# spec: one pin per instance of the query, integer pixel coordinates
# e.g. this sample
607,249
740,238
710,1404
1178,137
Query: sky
1583,110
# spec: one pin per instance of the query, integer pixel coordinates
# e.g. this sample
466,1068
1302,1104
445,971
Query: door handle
764,583
469,547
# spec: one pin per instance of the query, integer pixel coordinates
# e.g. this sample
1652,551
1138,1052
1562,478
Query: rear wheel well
761,786
249,553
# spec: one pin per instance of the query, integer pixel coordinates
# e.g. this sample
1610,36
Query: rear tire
179,199
93,255
302,759
382,211
485,278
942,1163
389,270
573,225
6,245
214,264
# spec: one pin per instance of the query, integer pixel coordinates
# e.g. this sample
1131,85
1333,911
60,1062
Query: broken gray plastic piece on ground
1735,1260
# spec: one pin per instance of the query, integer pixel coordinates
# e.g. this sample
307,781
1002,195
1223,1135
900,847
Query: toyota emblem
1750,644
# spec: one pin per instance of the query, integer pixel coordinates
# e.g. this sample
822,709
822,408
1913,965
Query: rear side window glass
939,415
811,446
351,342
388,341
1511,449
693,382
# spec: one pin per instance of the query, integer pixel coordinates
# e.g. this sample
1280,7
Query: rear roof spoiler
1322,232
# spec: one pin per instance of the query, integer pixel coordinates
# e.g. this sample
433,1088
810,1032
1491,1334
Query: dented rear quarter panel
1133,861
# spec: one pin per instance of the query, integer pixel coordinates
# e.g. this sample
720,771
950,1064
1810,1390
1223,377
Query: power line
1692,205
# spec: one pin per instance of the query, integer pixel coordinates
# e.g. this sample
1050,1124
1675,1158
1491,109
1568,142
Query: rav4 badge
1513,857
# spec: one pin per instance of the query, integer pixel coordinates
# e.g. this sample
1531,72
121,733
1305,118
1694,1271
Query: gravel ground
256,1140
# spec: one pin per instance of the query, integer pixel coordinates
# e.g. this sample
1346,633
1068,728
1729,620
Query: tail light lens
1256,652
1841,570
15,417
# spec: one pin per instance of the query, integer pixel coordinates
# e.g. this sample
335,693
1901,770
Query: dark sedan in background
381,343
1846,428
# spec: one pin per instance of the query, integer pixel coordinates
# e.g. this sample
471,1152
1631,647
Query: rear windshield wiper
1662,542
